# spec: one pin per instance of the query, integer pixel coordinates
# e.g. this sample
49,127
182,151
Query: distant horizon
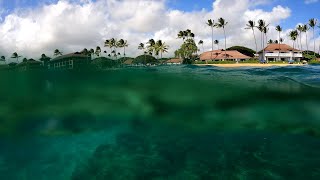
31,28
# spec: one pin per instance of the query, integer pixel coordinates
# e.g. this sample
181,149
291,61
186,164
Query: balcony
283,55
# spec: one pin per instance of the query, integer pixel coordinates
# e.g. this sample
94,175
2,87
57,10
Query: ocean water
164,122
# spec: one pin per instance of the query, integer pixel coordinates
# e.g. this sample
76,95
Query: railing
284,54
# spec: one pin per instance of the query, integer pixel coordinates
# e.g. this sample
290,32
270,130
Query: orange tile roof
283,48
221,54
174,61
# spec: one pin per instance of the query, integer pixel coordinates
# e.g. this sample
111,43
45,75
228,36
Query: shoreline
248,65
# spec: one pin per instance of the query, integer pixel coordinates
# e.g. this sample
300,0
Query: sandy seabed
248,65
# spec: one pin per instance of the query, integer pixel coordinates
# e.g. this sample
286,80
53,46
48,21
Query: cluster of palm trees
113,44
153,47
221,24
293,35
188,47
304,28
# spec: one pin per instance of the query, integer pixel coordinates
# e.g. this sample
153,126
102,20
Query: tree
251,25
276,42
3,58
293,36
187,49
281,40
270,41
262,27
300,29
217,43
57,52
15,56
98,51
243,50
161,47
24,60
142,47
201,43
279,29
211,24
112,44
123,44
151,46
222,24
312,24
45,59
305,29
91,51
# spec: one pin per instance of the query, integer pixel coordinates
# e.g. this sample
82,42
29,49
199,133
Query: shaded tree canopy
243,50
144,59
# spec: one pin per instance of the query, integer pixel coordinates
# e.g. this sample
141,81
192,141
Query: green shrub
145,59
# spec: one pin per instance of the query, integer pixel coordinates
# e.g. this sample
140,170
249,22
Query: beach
249,65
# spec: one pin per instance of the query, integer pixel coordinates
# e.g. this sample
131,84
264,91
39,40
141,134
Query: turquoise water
165,122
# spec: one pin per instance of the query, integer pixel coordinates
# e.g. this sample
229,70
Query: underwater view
162,122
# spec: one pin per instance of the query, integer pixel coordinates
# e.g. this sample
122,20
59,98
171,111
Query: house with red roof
218,55
280,52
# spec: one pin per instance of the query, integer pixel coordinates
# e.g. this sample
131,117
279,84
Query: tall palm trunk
255,40
279,48
211,42
300,40
314,43
225,42
307,42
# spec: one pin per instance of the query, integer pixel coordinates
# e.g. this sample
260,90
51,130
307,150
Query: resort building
218,55
280,52
174,62
69,61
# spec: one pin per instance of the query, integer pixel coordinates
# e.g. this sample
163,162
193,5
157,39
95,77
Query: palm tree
123,44
15,56
305,29
263,29
181,35
45,59
222,24
270,41
251,25
161,47
201,43
300,29
142,47
151,46
3,58
279,29
293,36
312,24
91,51
217,43
211,24
276,42
281,40
112,44
57,52
98,51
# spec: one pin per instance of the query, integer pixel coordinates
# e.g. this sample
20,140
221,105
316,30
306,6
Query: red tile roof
221,54
174,61
283,48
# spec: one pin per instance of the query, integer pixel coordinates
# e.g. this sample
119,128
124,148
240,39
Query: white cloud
310,1
71,26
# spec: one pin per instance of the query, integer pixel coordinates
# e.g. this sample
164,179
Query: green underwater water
165,122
